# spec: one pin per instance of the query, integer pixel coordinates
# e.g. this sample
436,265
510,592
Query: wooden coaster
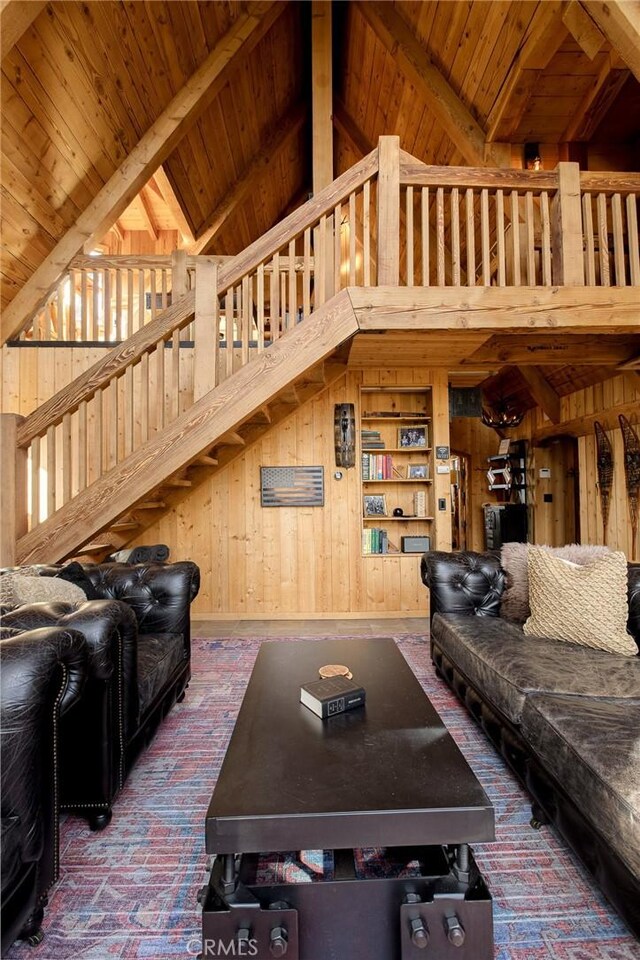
335,670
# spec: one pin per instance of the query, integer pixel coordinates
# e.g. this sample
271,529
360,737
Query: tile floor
205,629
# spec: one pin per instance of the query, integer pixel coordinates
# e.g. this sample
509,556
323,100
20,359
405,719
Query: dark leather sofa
139,653
565,718
42,676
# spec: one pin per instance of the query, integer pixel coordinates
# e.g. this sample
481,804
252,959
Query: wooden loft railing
188,324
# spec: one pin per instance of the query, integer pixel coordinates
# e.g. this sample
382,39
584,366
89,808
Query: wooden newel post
13,488
389,211
179,276
567,267
205,357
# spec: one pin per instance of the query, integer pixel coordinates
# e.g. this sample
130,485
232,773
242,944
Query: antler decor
604,460
501,415
631,445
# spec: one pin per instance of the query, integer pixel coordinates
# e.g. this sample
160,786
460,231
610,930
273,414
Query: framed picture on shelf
417,471
412,436
375,505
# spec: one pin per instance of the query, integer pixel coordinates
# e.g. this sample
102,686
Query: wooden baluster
72,332
589,245
618,240
95,319
61,319
51,471
108,313
502,271
130,323
338,265
366,233
260,304
84,305
632,239
144,398
293,285
164,289
425,232
320,257
83,441
160,394
154,289
35,482
470,236
485,230
603,240
440,244
531,241
353,227
410,235
66,457
127,411
175,373
274,298
515,237
120,333
284,306
545,216
141,299
455,237
306,277
246,321
228,330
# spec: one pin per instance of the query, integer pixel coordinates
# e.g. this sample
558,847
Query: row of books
376,540
371,440
379,466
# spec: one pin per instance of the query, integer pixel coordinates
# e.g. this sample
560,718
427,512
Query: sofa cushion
581,604
506,666
592,748
159,654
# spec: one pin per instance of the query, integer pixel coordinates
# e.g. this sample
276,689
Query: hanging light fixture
502,414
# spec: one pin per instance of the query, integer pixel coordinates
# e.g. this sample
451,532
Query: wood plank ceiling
85,81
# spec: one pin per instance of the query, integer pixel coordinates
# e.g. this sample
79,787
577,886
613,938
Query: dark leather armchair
42,677
139,643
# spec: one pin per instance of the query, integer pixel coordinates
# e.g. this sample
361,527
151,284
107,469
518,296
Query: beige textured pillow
15,588
581,604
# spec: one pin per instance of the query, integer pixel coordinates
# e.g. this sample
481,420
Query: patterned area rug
130,892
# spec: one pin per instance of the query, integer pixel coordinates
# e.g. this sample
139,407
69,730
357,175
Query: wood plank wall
470,436
285,562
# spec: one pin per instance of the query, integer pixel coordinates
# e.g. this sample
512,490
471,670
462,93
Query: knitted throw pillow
580,604
17,589
514,603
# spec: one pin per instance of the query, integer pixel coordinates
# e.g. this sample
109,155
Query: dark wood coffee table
386,775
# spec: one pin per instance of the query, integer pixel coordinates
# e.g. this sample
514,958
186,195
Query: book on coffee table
331,695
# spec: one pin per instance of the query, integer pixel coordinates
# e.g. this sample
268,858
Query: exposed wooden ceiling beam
540,44
540,349
542,392
151,150
254,173
582,426
619,20
170,198
321,94
415,63
596,102
146,213
582,28
16,16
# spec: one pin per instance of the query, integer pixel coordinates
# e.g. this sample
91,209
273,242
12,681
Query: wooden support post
205,328
389,211
13,488
321,94
441,481
566,234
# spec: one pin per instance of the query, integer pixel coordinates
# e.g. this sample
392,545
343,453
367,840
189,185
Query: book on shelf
375,540
420,503
377,466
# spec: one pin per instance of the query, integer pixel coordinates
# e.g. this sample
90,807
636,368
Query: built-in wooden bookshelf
396,469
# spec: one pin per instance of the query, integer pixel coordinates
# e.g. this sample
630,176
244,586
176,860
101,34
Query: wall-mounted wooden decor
344,421
604,461
632,476
292,486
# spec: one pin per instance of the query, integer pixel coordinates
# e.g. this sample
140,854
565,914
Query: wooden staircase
115,508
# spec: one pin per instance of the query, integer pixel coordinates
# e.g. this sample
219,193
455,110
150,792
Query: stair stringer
195,432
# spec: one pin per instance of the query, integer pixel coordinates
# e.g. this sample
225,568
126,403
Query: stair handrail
179,314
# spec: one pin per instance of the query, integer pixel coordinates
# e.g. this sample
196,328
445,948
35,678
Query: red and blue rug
130,892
